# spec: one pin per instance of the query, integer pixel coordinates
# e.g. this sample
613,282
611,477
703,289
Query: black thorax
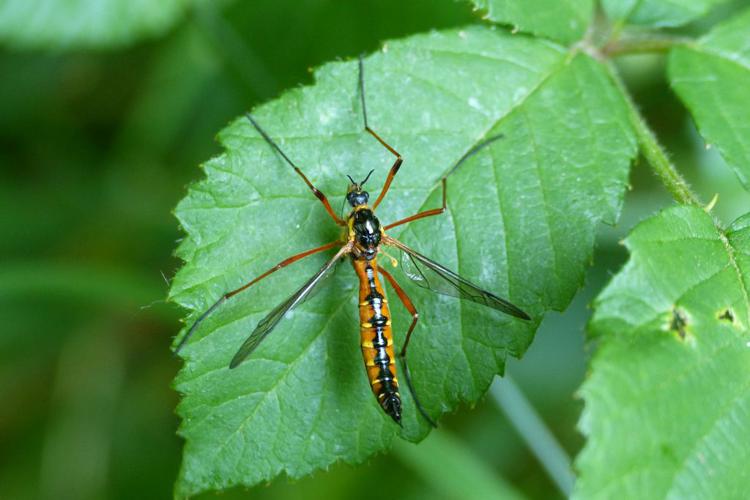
367,232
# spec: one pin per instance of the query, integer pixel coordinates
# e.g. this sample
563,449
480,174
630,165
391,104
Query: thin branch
644,44
534,432
453,469
653,151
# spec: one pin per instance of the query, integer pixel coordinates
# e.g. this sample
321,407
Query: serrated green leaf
562,20
712,77
521,221
667,403
657,13
79,23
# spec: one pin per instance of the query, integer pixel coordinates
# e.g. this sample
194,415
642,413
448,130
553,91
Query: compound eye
356,198
352,199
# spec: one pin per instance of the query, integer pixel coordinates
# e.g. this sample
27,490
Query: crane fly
361,241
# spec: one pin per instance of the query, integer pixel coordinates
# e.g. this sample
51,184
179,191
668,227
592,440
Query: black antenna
318,194
350,178
368,176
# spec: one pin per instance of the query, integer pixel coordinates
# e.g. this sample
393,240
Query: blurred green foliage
96,149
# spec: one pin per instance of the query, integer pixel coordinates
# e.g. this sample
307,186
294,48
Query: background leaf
521,221
78,23
667,404
712,77
657,13
562,20
441,451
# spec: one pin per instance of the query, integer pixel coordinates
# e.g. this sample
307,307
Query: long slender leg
315,190
402,355
229,295
421,215
399,159
438,211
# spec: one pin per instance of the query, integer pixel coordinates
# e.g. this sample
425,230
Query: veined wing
433,276
273,318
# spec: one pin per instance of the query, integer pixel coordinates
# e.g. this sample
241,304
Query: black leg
315,190
399,159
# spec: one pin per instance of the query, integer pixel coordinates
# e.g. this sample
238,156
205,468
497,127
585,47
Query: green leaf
82,24
667,403
562,20
657,13
521,221
712,77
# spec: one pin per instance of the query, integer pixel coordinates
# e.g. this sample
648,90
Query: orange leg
315,190
228,295
391,174
438,211
421,215
399,159
402,355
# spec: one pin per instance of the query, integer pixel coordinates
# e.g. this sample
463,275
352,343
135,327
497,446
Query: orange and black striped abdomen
377,338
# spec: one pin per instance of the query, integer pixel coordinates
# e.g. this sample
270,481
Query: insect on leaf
667,402
521,220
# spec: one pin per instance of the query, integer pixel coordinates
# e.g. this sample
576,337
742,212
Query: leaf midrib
554,70
282,377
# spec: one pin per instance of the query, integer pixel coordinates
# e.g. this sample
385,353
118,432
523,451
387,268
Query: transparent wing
433,276
273,318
